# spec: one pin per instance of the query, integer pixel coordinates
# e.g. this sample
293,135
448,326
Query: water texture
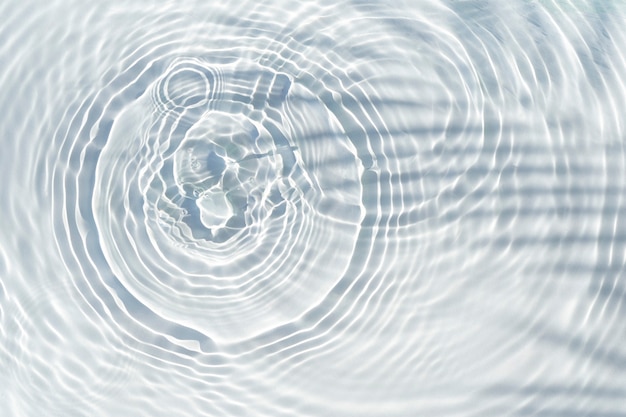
312,208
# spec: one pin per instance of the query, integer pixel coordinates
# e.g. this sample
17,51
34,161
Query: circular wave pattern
263,200
223,194
233,212
188,85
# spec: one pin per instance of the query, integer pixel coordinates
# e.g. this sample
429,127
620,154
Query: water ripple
337,208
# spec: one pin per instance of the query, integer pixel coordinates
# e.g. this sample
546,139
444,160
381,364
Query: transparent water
312,208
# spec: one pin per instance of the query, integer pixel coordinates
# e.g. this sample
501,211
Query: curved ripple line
246,202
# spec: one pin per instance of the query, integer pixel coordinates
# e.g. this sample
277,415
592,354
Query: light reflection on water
327,209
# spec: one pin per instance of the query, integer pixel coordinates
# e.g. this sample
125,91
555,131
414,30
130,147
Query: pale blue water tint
312,208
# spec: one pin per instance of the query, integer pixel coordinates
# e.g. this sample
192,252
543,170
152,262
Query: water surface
313,209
